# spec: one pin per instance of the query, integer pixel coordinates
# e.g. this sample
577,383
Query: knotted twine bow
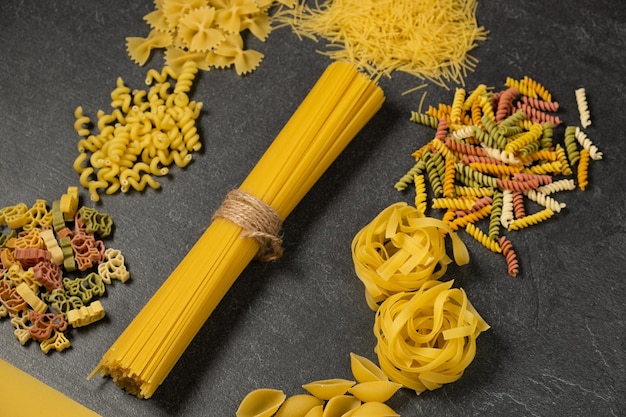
258,221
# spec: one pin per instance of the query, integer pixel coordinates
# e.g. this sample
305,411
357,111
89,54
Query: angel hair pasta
431,39
427,338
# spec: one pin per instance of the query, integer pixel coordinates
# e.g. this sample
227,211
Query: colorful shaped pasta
565,184
421,195
503,145
425,119
544,200
519,210
483,238
571,146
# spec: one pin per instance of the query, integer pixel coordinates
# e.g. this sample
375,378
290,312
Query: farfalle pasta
208,32
427,338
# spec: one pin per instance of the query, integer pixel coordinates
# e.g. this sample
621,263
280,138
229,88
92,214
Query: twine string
258,221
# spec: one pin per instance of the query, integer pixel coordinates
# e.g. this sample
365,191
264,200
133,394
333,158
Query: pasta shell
364,370
328,388
261,402
375,391
317,411
298,406
340,405
373,409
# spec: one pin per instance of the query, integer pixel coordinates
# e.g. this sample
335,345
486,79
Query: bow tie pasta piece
139,49
229,16
196,31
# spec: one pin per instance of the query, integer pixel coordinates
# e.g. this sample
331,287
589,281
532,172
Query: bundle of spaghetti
504,142
246,225
430,39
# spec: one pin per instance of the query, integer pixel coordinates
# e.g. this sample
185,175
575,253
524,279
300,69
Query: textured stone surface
558,336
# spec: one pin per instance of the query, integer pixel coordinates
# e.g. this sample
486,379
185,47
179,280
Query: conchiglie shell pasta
262,402
364,370
372,409
317,411
328,388
340,405
298,406
375,391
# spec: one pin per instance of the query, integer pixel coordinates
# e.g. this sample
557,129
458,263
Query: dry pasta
400,250
334,397
431,39
583,169
509,255
587,144
338,106
19,387
205,31
263,402
427,338
146,132
583,107
502,144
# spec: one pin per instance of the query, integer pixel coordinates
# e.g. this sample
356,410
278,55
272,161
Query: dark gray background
557,341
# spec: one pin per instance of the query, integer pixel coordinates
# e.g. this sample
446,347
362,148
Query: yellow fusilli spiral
531,219
421,195
583,169
482,238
